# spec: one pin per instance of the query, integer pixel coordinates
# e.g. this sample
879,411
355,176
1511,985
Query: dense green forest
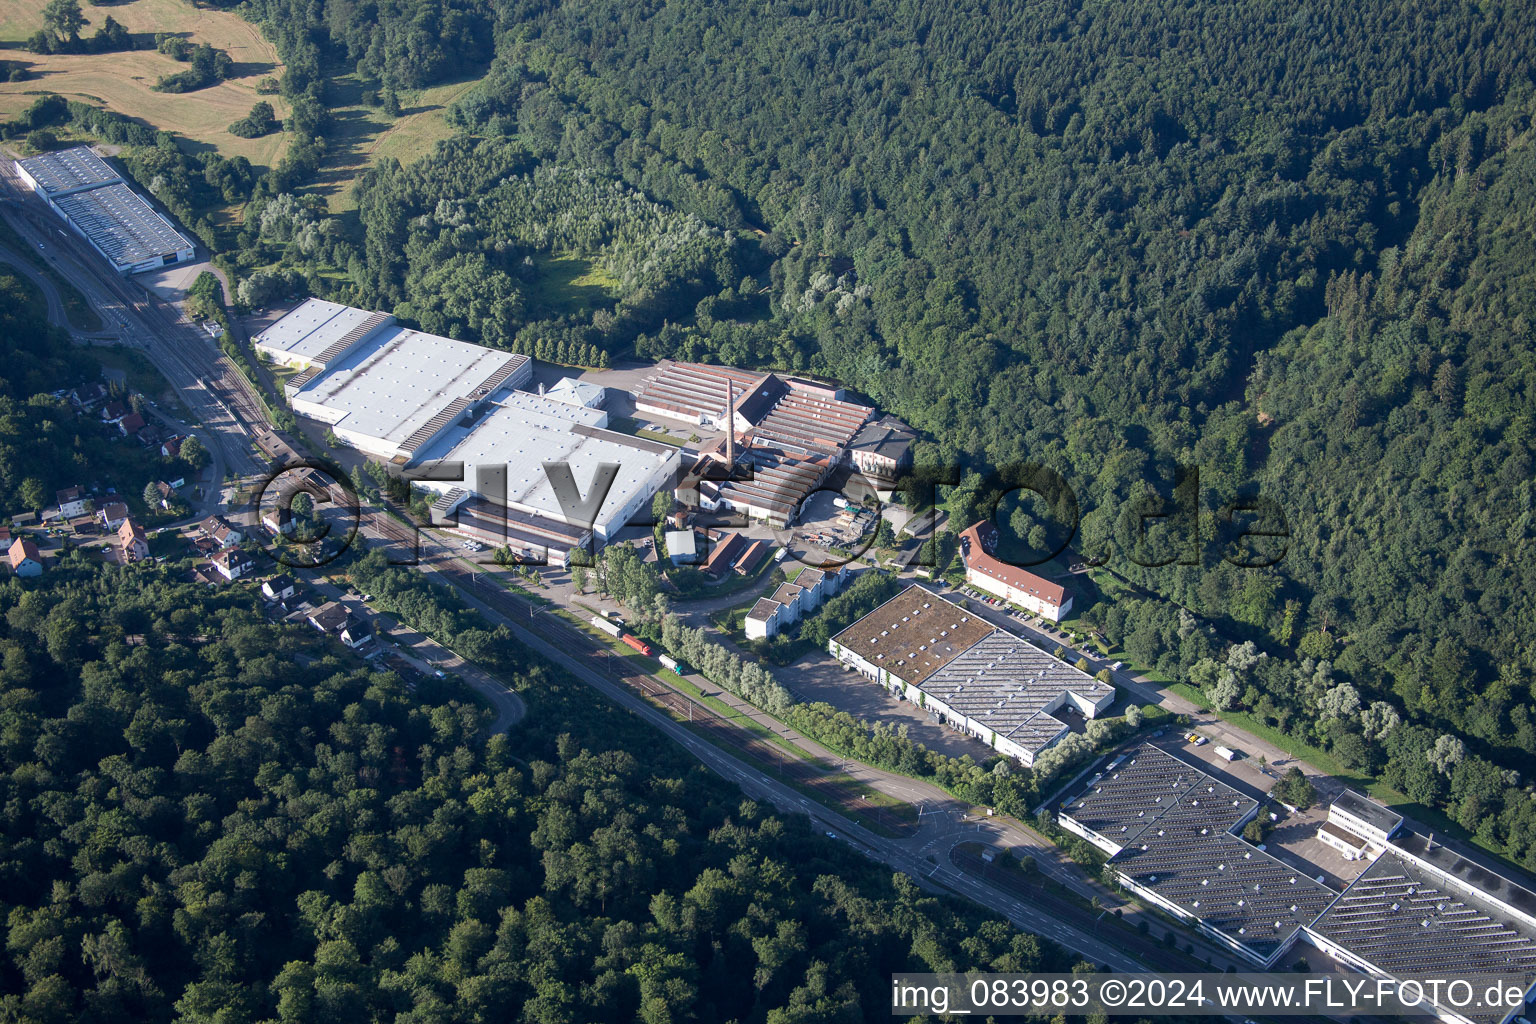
210,818
1287,244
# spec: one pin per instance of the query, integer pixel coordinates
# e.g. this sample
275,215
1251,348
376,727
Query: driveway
430,656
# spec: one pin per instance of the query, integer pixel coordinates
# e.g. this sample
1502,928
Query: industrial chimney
730,424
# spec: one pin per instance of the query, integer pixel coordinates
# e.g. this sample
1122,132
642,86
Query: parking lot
824,525
820,677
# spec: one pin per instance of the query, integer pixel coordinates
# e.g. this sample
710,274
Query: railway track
826,783
218,392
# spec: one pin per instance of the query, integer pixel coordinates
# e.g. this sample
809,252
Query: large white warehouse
415,400
94,201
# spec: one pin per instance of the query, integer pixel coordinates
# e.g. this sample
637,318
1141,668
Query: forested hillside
210,818
1287,243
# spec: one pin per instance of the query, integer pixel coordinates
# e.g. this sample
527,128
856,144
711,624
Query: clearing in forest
362,135
124,81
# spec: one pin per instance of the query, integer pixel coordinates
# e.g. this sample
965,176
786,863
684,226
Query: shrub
260,121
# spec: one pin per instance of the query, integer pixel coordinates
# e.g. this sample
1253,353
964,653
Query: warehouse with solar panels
970,675
98,205
1419,908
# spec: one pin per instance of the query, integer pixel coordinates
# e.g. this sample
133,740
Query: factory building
1168,827
416,400
784,435
53,175
382,388
514,436
1417,909
98,206
1420,909
974,677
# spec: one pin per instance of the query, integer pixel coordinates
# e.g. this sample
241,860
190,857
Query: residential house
167,493
113,514
333,618
279,588
170,448
813,584
133,541
87,395
355,632
277,520
221,532
232,563
983,570
112,412
764,620
329,617
131,424
72,502
26,560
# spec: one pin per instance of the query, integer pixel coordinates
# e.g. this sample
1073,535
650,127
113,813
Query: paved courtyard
820,677
1294,838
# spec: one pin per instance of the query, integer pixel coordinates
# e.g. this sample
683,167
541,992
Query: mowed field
123,81
362,135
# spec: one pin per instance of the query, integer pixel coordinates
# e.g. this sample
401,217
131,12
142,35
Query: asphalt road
945,822
430,656
217,394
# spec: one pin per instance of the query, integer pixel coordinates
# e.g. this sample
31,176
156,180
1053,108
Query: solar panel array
1125,802
69,170
1173,824
1229,885
122,225
1404,919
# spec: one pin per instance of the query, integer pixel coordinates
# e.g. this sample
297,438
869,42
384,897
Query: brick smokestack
730,424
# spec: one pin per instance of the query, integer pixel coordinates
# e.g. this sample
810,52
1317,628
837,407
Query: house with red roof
985,571
26,560
133,541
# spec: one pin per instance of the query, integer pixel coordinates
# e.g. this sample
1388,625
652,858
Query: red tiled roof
723,553
982,538
23,549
